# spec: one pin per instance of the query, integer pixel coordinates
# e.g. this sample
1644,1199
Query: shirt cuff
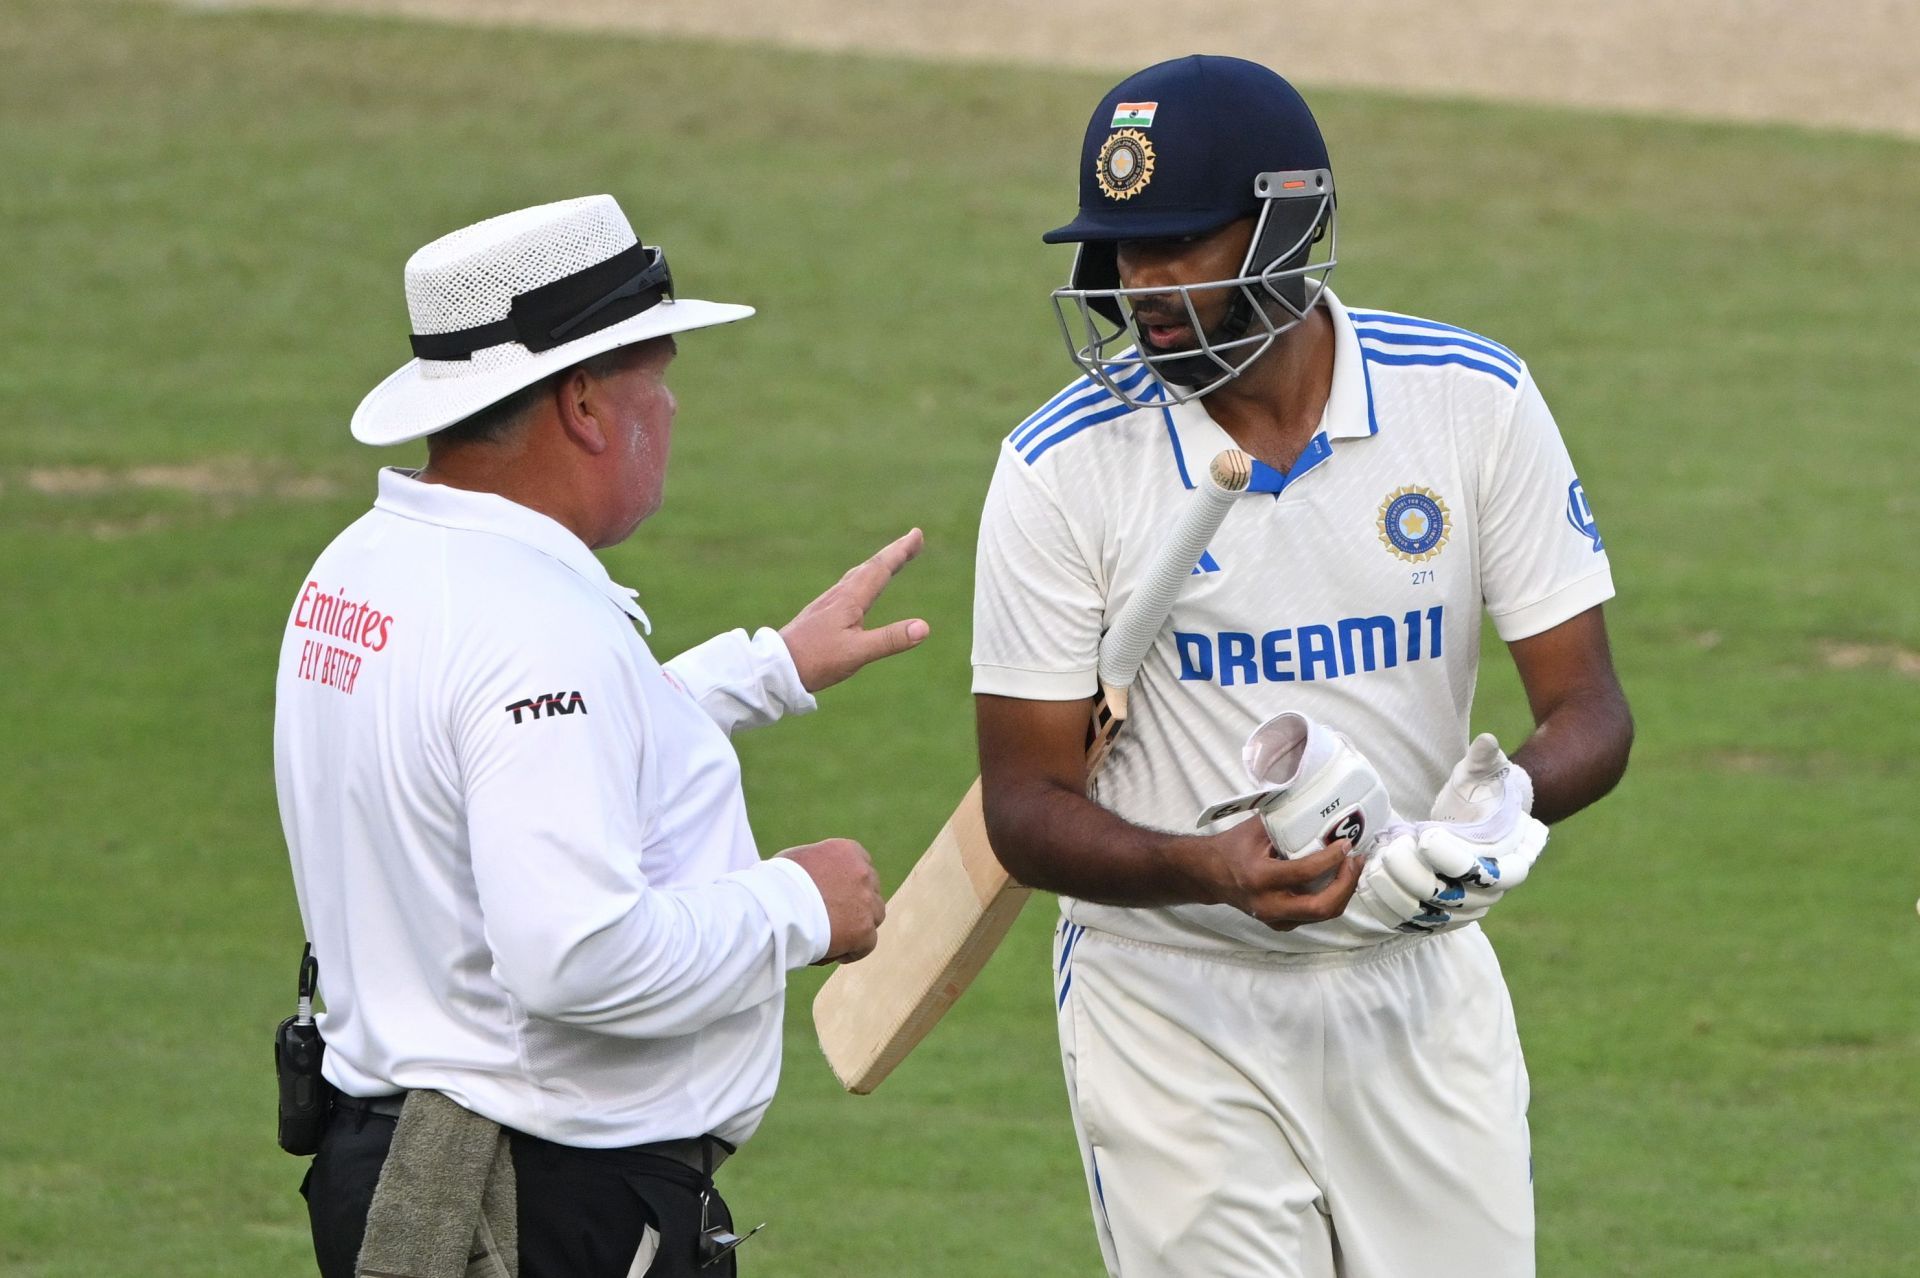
742,682
778,675
802,930
1035,685
1563,604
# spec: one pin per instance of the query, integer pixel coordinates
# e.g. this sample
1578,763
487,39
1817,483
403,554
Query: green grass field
202,221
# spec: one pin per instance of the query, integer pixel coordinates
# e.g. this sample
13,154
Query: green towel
444,1207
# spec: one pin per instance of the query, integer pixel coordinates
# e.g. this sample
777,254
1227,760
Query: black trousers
582,1212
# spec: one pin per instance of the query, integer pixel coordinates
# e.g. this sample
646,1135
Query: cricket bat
955,906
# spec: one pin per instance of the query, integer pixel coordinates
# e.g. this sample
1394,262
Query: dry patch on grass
1750,763
1835,654
223,478
1821,765
92,499
1839,654
1843,64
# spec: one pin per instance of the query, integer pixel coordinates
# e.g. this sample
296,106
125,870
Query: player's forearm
1578,752
1052,838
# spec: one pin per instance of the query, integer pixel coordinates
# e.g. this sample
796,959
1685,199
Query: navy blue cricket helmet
1181,150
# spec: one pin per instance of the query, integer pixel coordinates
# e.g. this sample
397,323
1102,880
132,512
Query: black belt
703,1154
384,1106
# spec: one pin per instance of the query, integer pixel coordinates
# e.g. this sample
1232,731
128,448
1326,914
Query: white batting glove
1447,872
1482,840
1314,788
1399,892
1483,784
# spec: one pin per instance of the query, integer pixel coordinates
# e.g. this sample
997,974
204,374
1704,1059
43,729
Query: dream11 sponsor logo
1349,646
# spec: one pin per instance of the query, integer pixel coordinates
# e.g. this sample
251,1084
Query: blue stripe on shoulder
1487,344
1085,394
1380,357
1387,337
1074,425
1071,389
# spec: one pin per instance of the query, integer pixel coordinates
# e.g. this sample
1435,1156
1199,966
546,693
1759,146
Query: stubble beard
1195,367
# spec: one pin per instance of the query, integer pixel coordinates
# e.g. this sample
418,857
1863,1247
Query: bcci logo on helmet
1125,165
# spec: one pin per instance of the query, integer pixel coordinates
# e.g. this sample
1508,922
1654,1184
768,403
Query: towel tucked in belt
444,1207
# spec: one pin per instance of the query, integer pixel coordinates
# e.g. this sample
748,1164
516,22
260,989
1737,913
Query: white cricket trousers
1361,1114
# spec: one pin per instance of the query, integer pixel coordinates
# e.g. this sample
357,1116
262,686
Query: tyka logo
548,704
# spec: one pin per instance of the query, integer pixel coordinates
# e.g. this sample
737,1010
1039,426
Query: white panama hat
500,304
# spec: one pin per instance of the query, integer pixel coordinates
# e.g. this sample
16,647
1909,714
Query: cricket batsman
1288,1047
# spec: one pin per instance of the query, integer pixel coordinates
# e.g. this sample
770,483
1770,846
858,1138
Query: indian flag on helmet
1134,115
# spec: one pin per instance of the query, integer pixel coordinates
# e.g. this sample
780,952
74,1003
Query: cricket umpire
1268,1075
519,842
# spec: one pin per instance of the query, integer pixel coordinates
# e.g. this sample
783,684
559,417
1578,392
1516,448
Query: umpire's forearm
1578,752
1053,838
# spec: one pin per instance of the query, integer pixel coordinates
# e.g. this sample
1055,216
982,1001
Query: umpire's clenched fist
1281,894
843,872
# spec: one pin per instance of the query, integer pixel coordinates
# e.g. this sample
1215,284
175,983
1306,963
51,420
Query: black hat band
571,307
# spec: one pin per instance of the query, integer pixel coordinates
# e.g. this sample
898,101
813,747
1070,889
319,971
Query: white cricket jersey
1349,588
520,846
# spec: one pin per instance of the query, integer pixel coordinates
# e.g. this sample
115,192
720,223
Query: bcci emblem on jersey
1413,523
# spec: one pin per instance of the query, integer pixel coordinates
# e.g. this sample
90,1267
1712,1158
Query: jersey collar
1195,437
403,494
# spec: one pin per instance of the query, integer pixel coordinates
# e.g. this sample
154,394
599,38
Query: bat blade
955,907
943,924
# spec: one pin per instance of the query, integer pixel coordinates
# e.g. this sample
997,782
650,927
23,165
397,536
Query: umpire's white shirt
520,845
1350,588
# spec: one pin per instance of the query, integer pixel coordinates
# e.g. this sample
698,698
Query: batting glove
1482,839
1314,788
1449,871
1399,892
1484,784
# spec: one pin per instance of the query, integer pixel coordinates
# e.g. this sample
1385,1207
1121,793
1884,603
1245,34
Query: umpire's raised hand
829,640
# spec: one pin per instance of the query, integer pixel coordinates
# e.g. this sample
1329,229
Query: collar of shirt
1196,437
403,494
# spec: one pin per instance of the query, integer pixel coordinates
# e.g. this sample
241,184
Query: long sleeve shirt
520,843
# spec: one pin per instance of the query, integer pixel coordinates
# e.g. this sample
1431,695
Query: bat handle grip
1133,632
